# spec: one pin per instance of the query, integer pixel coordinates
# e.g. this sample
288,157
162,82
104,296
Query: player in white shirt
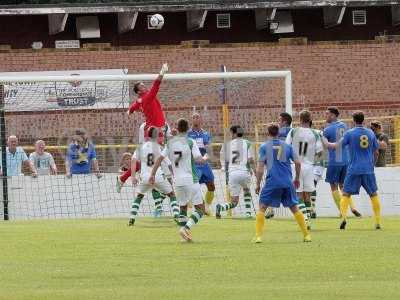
157,196
147,154
240,156
183,153
307,145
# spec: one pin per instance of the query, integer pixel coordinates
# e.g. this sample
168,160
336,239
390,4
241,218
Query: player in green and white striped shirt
183,153
240,158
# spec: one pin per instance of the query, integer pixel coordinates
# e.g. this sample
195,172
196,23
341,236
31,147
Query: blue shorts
354,182
205,173
336,174
275,196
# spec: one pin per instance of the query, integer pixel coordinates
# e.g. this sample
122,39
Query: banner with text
31,96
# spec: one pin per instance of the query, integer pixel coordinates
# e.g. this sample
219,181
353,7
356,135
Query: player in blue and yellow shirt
204,171
363,150
285,125
278,188
337,158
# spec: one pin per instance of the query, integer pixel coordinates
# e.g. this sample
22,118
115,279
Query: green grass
104,259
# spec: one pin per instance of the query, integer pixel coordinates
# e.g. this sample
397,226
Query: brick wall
352,76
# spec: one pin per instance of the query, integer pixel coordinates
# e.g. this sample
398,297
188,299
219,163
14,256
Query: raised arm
156,84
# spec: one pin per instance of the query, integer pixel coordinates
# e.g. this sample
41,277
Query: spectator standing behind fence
16,156
81,156
43,161
383,142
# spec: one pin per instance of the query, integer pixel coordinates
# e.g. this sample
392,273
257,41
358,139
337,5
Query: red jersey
150,106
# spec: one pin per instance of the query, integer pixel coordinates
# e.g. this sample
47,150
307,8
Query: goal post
97,101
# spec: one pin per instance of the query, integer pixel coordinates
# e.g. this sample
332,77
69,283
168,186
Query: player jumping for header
147,154
150,106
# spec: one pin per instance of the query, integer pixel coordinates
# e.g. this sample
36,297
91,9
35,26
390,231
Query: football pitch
104,259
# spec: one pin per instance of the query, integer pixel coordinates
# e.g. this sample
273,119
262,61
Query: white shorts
306,178
318,173
161,185
237,181
186,193
165,167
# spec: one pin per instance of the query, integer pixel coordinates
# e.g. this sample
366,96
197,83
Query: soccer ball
157,21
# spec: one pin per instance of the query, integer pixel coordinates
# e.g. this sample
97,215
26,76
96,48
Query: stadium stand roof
27,7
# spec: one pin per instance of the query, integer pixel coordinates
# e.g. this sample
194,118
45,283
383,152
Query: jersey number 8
364,142
150,159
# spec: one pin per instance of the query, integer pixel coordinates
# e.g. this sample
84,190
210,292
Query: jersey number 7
178,158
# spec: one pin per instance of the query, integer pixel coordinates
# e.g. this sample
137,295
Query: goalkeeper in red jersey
150,106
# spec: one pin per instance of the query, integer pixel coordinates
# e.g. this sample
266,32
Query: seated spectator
81,156
43,161
16,156
383,142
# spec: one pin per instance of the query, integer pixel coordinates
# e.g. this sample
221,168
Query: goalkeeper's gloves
164,69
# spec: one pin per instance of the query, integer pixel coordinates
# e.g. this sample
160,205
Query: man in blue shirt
363,150
337,158
15,158
204,171
278,187
81,155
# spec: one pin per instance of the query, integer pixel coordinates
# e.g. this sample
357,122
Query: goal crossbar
285,74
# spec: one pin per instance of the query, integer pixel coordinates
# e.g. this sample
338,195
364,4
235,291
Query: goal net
54,106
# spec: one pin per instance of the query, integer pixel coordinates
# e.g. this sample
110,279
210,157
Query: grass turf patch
104,259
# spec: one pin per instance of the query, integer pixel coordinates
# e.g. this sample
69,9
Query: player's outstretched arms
151,95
